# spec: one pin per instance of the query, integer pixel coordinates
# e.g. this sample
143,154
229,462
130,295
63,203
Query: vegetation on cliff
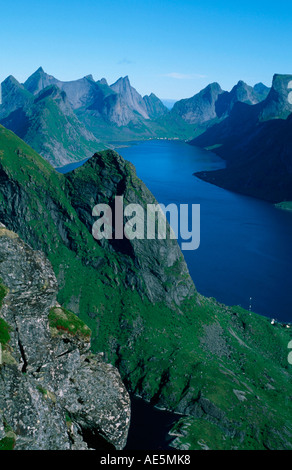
48,376
221,365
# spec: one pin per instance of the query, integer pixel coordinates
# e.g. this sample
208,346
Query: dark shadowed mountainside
256,141
224,369
44,118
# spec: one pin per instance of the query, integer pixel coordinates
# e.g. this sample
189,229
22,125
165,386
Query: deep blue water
71,166
149,426
245,244
245,250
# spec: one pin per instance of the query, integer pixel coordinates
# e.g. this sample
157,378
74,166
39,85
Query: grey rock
201,107
56,395
154,106
130,96
213,104
162,271
14,96
248,139
38,81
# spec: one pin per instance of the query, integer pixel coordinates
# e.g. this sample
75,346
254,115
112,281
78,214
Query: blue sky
171,48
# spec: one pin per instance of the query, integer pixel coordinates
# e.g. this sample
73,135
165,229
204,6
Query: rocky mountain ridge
212,104
224,369
46,121
256,142
97,114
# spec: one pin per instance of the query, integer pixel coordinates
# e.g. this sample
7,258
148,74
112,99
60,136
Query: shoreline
284,206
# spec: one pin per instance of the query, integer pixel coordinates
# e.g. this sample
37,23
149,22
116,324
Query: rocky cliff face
212,105
277,105
94,111
46,121
201,107
14,96
261,91
241,92
224,368
38,81
130,96
155,107
256,142
162,271
54,394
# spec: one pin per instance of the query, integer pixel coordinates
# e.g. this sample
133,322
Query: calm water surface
246,244
245,250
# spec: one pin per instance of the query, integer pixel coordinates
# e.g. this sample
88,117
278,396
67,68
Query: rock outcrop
201,107
224,367
155,107
256,143
130,96
210,106
162,271
46,121
84,117
54,393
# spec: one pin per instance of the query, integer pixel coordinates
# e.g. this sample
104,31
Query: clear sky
171,48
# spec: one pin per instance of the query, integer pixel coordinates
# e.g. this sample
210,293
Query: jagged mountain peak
11,79
13,95
102,81
213,86
122,82
11,83
261,90
47,122
38,81
277,105
155,107
244,92
260,86
241,84
130,96
213,90
199,108
89,77
281,84
52,91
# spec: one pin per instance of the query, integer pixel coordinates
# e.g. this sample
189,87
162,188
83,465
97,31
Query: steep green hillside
47,123
222,367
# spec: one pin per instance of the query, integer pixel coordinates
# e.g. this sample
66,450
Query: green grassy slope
51,128
224,368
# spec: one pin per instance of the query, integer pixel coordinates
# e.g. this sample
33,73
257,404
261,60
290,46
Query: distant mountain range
190,117
69,121
214,103
256,141
46,121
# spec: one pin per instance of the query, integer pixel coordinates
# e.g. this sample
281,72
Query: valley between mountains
85,323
